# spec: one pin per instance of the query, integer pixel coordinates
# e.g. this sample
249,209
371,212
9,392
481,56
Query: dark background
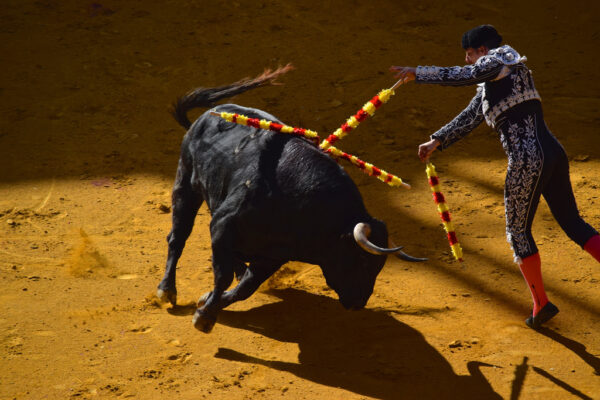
86,86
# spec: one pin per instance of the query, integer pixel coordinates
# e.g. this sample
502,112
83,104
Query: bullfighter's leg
558,193
223,268
186,203
255,275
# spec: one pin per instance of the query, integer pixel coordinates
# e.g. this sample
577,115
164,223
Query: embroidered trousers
537,165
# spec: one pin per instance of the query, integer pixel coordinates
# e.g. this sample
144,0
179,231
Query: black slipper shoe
545,315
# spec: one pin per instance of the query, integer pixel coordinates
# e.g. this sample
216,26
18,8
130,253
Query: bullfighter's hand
427,148
407,74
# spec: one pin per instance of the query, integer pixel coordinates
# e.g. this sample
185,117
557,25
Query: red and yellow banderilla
440,201
269,125
367,110
326,145
352,123
367,168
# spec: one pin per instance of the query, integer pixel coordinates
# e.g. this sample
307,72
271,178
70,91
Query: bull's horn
361,234
403,256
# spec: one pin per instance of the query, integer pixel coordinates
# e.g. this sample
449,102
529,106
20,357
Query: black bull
273,198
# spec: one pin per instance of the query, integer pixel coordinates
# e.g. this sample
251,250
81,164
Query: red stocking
592,246
531,268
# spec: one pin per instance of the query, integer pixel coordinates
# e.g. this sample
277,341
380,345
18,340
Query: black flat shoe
545,315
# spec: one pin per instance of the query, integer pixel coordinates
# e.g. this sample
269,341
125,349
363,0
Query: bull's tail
206,98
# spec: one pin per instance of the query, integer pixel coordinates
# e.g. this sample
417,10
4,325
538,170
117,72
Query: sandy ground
88,153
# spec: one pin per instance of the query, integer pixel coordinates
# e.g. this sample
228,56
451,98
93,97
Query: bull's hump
233,160
247,160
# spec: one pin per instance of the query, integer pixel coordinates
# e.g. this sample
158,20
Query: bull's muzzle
361,235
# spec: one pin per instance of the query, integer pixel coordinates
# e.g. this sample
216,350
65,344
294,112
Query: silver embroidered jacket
503,81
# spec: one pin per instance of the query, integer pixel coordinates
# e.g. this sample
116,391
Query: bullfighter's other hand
407,74
427,148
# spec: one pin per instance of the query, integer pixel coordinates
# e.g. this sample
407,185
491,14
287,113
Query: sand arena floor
88,152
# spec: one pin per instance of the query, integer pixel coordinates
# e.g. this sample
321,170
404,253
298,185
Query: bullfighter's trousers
537,165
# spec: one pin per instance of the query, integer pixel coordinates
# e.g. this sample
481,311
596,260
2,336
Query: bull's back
223,155
279,185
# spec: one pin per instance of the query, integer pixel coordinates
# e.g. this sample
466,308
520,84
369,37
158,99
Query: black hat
483,35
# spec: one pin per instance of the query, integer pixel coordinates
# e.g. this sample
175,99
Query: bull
273,198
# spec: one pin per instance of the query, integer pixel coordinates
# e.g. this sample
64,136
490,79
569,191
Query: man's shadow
367,352
575,347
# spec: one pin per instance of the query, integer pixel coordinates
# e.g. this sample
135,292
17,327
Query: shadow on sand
367,352
575,347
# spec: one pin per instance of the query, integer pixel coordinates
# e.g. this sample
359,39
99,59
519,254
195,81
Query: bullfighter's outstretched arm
462,124
485,69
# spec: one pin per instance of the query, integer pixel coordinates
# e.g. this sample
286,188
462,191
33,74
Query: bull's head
357,260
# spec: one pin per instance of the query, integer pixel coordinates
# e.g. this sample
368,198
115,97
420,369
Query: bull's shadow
367,352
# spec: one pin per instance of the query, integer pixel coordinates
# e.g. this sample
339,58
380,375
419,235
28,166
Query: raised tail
202,97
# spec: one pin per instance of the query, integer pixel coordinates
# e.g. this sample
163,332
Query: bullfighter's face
472,55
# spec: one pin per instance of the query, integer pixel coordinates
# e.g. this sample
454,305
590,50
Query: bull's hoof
167,296
203,299
203,323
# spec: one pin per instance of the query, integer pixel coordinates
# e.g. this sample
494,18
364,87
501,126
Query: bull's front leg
253,277
223,267
186,203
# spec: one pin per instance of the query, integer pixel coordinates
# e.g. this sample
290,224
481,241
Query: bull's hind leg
254,276
239,269
224,261
186,203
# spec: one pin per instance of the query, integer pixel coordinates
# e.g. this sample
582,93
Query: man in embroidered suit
537,163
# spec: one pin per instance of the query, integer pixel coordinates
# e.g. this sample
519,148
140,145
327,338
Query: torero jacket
502,80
